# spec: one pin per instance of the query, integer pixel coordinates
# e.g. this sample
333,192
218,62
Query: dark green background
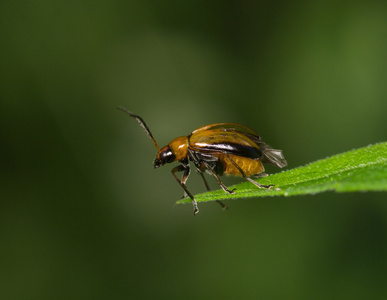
83,214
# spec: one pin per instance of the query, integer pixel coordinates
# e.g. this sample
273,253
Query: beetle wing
226,127
272,156
216,141
252,134
237,139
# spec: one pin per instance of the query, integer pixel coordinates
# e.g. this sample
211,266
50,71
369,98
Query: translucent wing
272,156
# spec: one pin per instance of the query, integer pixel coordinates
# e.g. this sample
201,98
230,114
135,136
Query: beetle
218,149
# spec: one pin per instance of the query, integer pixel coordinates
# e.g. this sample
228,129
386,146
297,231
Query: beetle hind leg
260,175
258,184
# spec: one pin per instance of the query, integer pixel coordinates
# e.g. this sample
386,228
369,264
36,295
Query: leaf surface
363,169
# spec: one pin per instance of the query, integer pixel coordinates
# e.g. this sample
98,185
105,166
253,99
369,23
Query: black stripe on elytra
232,148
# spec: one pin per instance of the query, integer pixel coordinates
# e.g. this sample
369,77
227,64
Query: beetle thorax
179,147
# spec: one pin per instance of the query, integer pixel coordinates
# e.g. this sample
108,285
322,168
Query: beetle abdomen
249,166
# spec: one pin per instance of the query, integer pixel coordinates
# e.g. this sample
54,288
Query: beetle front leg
182,182
184,179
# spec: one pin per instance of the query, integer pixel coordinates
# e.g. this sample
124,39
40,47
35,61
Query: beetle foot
227,190
268,186
196,210
231,192
224,206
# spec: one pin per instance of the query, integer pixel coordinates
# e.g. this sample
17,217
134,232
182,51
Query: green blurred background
84,215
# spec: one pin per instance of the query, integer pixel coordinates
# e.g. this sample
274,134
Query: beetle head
165,155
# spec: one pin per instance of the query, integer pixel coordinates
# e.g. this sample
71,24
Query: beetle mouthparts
157,163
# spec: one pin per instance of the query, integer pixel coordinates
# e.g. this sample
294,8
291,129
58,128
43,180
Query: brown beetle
222,148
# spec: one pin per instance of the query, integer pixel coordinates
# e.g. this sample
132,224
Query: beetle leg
186,170
248,178
205,181
224,206
260,175
184,179
258,184
211,171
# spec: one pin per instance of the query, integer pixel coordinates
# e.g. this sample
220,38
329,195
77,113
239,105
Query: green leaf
363,169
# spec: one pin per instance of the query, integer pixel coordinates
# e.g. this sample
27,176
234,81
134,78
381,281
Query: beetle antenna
142,124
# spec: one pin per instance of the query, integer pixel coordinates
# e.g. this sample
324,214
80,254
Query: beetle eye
167,156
